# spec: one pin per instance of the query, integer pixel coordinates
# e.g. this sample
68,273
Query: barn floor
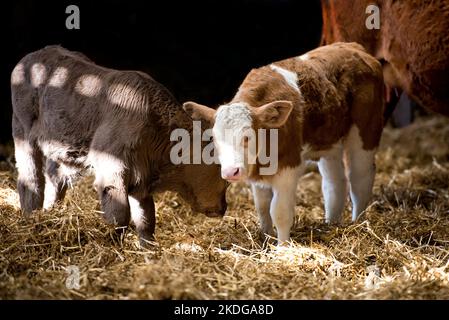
399,250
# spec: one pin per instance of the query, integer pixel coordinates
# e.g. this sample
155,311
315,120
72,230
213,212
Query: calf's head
236,132
204,189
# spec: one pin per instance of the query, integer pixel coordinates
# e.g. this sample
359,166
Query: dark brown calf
70,114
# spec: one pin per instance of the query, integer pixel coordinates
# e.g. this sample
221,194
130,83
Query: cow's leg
333,184
360,165
55,184
402,115
111,183
30,181
392,96
262,200
143,215
282,209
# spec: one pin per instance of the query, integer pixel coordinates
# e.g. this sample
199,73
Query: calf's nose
231,173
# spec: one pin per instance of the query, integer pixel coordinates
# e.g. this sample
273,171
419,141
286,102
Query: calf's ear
274,114
199,112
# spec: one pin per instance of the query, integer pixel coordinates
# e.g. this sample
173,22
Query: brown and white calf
70,114
327,106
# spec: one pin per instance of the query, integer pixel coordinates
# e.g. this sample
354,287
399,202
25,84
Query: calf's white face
234,131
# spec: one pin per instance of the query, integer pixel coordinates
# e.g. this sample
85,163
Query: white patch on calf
58,77
25,163
18,75
50,195
229,157
105,164
360,165
137,212
38,74
88,85
290,77
231,122
58,151
108,170
126,96
304,57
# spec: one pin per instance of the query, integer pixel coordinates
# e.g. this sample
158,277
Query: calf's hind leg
333,184
361,170
30,181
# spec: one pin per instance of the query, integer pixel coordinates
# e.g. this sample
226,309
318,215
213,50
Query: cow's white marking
137,212
38,74
231,122
50,194
88,85
25,164
58,77
304,57
361,171
18,74
126,96
108,171
55,150
290,77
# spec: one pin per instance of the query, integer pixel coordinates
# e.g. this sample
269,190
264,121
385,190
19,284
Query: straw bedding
398,250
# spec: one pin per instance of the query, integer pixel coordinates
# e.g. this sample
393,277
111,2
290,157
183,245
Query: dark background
200,50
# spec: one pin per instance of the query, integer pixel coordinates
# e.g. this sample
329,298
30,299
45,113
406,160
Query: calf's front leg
282,208
55,184
144,217
111,185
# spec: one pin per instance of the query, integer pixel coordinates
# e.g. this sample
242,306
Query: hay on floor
398,250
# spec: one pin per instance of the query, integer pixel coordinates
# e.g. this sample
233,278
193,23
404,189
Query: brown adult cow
413,41
76,114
